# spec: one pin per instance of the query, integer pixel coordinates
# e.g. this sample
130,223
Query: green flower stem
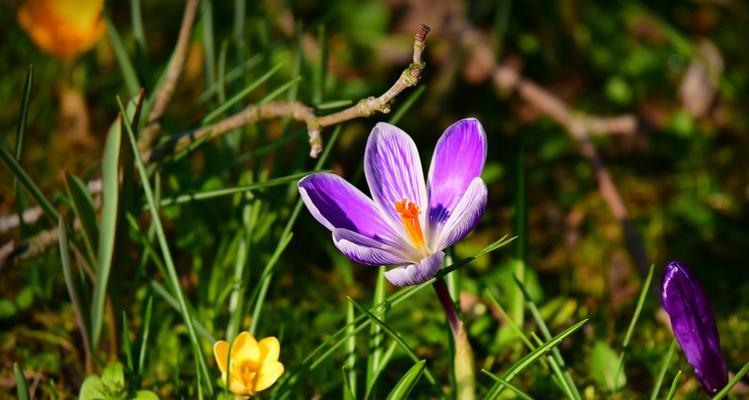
464,366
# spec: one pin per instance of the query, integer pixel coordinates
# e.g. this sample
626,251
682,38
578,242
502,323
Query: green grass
122,292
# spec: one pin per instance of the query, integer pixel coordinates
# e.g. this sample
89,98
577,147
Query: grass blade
410,100
531,357
67,274
23,114
128,71
209,194
631,329
508,385
144,336
16,169
262,288
167,256
411,353
85,211
349,368
387,355
674,384
110,195
241,95
739,375
325,349
662,372
376,337
22,387
566,378
279,90
404,386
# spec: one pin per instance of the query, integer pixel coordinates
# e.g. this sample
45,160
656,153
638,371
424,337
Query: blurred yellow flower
254,365
62,28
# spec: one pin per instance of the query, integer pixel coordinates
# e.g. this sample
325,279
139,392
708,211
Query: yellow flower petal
245,348
269,373
63,28
236,386
269,349
80,14
221,353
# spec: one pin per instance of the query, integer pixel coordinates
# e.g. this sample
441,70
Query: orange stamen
409,213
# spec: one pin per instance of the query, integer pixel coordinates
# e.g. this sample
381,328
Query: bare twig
164,95
250,115
300,112
579,125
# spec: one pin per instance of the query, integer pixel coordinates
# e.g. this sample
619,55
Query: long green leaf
736,379
531,357
23,115
350,363
265,279
109,215
376,337
325,349
167,255
145,333
410,100
631,329
22,387
128,71
67,274
674,385
16,169
508,385
406,383
209,194
411,353
566,378
85,211
662,372
241,95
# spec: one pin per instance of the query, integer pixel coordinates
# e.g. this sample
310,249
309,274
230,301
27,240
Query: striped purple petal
364,250
693,324
464,216
336,203
393,170
458,158
414,274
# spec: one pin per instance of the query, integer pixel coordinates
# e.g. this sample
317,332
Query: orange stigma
409,213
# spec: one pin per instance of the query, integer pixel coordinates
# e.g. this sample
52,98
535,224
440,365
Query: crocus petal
463,218
393,170
221,353
268,374
414,274
336,203
237,386
245,348
363,250
269,349
458,158
693,324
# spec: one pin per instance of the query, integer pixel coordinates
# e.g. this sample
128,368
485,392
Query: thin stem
443,294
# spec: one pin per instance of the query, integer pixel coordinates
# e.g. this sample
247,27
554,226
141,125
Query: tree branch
249,115
164,95
579,126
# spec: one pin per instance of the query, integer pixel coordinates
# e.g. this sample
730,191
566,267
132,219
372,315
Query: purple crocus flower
407,223
694,326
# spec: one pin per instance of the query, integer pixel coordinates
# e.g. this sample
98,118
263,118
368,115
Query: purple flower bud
694,325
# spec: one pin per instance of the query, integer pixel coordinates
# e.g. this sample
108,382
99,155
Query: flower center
409,213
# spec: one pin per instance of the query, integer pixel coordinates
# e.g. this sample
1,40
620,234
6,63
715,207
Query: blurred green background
680,68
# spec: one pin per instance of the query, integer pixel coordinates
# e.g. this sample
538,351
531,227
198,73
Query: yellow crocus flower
254,365
62,28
